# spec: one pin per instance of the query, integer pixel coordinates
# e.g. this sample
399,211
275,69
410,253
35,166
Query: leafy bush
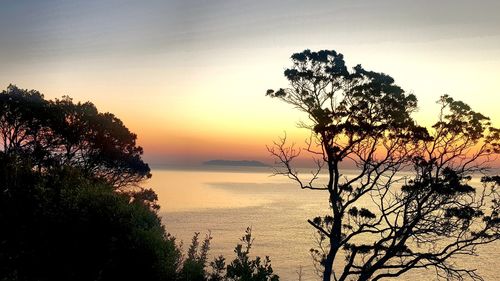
242,268
64,226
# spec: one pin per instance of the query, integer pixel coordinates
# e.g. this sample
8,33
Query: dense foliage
71,207
409,204
64,226
241,268
61,132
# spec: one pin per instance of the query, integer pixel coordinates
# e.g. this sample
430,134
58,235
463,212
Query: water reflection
226,202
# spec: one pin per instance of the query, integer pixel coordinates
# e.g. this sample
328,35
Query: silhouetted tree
241,268
386,220
244,268
22,119
60,225
193,266
61,132
64,211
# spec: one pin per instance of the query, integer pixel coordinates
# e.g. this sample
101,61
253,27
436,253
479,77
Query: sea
224,201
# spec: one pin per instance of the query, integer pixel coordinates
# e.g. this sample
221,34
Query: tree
410,204
61,225
65,211
193,267
245,269
61,132
241,268
21,119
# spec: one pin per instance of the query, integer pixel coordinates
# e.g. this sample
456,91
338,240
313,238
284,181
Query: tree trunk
327,274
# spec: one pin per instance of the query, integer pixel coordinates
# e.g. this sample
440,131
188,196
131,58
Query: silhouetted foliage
61,132
60,225
242,268
65,213
193,267
387,221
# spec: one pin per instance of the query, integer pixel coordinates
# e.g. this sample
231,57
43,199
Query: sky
189,77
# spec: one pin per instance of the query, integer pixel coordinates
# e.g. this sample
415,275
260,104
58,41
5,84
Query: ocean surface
225,201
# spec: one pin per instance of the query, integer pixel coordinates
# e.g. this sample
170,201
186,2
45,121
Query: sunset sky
189,77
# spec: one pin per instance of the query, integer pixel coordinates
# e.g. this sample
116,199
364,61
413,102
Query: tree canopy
61,132
66,212
60,225
410,204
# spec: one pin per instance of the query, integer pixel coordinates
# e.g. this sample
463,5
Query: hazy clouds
53,30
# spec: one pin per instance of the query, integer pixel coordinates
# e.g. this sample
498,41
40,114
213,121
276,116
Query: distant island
245,163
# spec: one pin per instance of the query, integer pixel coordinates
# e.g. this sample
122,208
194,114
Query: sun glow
194,88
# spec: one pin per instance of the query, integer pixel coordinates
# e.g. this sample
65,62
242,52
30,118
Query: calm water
226,202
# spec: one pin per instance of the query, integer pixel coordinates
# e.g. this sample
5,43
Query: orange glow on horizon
217,108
